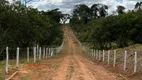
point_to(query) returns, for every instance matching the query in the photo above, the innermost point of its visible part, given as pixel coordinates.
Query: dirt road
(68, 65)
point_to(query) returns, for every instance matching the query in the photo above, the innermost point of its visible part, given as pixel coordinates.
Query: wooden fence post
(135, 62)
(44, 52)
(37, 50)
(114, 60)
(94, 53)
(49, 51)
(39, 53)
(28, 55)
(125, 60)
(34, 49)
(17, 58)
(7, 57)
(103, 55)
(99, 54)
(108, 57)
(52, 52)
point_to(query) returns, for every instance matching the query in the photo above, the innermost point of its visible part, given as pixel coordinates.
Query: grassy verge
(12, 65)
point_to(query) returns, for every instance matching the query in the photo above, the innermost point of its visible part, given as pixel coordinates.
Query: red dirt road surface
(67, 65)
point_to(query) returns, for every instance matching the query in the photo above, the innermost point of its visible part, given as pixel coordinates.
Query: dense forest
(94, 25)
(22, 26)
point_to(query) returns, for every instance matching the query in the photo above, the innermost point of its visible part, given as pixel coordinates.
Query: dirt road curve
(69, 65)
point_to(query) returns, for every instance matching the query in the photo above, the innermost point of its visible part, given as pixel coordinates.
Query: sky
(66, 6)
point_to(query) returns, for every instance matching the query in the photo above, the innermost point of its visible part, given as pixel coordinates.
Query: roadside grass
(12, 65)
(120, 57)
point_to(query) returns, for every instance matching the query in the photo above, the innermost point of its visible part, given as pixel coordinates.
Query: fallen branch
(123, 77)
(12, 75)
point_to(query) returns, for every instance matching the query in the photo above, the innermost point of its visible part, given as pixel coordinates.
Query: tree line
(22, 26)
(103, 31)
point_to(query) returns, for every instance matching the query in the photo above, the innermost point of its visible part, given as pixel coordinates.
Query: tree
(102, 10)
(65, 17)
(82, 12)
(94, 10)
(26, 1)
(3, 1)
(138, 5)
(54, 14)
(120, 9)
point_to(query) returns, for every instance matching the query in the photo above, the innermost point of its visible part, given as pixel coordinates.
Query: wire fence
(124, 60)
(11, 58)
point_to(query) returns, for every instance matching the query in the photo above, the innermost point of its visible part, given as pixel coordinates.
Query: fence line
(7, 57)
(38, 53)
(17, 58)
(108, 57)
(114, 60)
(111, 55)
(28, 55)
(135, 62)
(125, 60)
(103, 55)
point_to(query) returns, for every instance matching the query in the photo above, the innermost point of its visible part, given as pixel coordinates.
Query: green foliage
(112, 31)
(23, 27)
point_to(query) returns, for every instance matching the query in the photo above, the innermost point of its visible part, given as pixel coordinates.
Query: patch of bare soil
(70, 66)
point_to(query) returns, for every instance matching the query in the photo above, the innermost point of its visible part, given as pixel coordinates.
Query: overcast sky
(66, 6)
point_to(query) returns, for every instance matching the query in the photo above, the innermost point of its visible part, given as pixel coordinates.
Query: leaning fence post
(135, 62)
(7, 57)
(108, 57)
(125, 60)
(103, 55)
(28, 55)
(39, 53)
(34, 49)
(114, 60)
(17, 58)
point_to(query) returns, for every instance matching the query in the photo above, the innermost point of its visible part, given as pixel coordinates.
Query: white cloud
(66, 6)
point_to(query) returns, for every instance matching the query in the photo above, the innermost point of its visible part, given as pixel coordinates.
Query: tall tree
(120, 9)
(94, 10)
(102, 10)
(82, 12)
(54, 14)
(138, 5)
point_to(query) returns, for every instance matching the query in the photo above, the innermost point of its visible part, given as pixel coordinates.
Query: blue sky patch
(119, 1)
